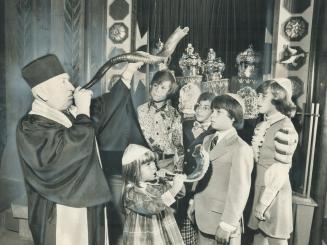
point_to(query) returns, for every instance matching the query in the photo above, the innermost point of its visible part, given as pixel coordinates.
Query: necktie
(213, 142)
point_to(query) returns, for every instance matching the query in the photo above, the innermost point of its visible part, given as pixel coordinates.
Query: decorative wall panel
(295, 28)
(119, 9)
(293, 34)
(296, 6)
(73, 38)
(119, 36)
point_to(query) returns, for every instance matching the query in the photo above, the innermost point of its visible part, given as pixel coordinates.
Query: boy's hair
(280, 100)
(132, 171)
(206, 96)
(232, 106)
(165, 75)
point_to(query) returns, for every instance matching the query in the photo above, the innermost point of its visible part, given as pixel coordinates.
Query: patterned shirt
(162, 129)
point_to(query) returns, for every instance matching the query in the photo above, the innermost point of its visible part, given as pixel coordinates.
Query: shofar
(162, 56)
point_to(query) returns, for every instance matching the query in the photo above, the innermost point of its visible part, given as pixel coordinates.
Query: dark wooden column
(319, 187)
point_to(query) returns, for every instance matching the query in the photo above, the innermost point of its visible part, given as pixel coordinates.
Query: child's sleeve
(178, 141)
(148, 202)
(275, 176)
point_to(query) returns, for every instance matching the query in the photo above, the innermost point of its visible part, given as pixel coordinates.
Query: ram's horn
(129, 57)
(202, 164)
(172, 41)
(162, 56)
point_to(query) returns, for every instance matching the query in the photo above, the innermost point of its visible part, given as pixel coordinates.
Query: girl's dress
(272, 185)
(149, 219)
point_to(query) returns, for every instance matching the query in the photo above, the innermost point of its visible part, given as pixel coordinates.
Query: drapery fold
(227, 26)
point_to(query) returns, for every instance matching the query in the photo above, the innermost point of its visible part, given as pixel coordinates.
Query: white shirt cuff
(227, 227)
(167, 198)
(126, 82)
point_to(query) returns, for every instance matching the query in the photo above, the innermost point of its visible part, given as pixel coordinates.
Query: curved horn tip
(186, 29)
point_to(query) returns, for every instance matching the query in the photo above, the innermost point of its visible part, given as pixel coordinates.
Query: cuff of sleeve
(227, 227)
(167, 198)
(267, 196)
(126, 81)
(83, 116)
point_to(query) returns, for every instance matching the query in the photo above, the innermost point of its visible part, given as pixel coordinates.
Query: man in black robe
(66, 187)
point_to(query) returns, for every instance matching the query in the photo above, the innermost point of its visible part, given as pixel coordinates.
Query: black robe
(61, 165)
(117, 126)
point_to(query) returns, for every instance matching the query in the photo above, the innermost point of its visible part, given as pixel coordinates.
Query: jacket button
(188, 150)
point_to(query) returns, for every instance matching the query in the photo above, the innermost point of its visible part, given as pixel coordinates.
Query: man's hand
(222, 236)
(130, 69)
(82, 98)
(259, 211)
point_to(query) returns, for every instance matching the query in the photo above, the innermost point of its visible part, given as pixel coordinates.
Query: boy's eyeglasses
(202, 107)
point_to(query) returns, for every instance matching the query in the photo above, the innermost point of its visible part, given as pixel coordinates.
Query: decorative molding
(297, 6)
(293, 57)
(297, 86)
(24, 31)
(72, 37)
(118, 32)
(118, 10)
(295, 28)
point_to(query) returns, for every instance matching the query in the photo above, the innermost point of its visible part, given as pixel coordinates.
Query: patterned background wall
(292, 44)
(118, 36)
(123, 36)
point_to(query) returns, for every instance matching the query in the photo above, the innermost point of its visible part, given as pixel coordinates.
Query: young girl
(273, 143)
(161, 123)
(146, 199)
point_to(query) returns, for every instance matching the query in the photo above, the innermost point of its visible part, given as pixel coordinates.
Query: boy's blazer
(223, 192)
(190, 142)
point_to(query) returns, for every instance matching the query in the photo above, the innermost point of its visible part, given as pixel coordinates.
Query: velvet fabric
(227, 26)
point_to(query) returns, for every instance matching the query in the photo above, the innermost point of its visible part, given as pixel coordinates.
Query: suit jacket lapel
(200, 138)
(222, 146)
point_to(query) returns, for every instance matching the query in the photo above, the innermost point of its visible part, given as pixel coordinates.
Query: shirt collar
(154, 105)
(204, 126)
(274, 117)
(222, 134)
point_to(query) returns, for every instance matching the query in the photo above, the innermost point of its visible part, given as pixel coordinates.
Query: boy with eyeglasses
(194, 132)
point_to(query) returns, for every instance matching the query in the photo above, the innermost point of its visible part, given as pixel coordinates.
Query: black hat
(42, 69)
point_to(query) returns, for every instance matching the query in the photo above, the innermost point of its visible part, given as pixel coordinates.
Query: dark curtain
(227, 26)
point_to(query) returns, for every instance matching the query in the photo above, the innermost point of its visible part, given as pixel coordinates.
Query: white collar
(274, 117)
(42, 109)
(204, 125)
(222, 134)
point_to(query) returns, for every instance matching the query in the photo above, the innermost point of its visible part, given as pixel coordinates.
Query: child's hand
(161, 173)
(222, 236)
(178, 183)
(259, 211)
